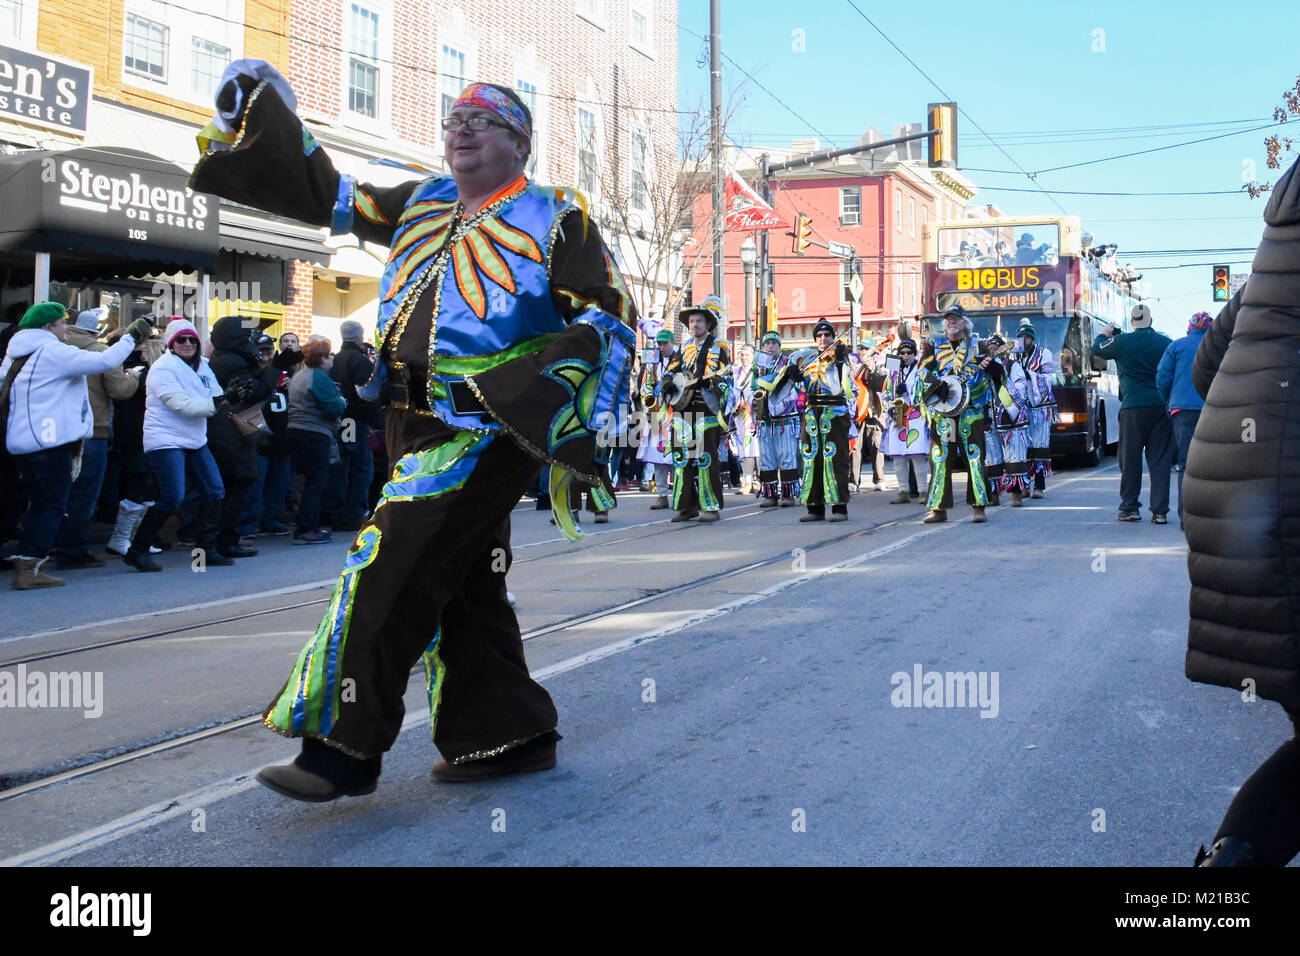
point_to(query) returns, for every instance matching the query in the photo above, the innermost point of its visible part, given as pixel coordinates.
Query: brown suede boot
(29, 574)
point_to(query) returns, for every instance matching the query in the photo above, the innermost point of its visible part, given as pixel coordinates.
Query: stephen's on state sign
(42, 90)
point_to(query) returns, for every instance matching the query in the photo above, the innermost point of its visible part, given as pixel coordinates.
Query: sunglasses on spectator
(185, 338)
(477, 123)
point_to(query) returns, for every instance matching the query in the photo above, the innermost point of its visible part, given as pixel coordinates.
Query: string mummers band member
(907, 424)
(869, 417)
(657, 425)
(776, 405)
(826, 381)
(740, 417)
(1037, 361)
(960, 376)
(1007, 439)
(694, 382)
(505, 339)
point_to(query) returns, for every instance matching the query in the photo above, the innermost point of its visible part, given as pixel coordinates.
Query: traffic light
(802, 233)
(941, 145)
(1222, 275)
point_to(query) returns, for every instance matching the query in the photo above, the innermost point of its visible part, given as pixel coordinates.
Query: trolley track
(97, 762)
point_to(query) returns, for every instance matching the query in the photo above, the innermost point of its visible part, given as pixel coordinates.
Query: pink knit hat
(1201, 320)
(178, 326)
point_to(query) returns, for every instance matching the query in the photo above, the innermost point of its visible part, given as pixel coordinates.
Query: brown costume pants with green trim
(426, 576)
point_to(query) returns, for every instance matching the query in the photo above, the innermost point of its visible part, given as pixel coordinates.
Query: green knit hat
(664, 335)
(43, 313)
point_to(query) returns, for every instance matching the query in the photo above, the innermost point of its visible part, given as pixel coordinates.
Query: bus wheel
(1098, 454)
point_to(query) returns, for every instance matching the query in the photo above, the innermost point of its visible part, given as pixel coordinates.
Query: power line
(1068, 192)
(1156, 149)
(950, 99)
(786, 106)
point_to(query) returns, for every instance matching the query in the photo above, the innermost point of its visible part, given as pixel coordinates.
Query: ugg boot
(29, 574)
(147, 528)
(129, 514)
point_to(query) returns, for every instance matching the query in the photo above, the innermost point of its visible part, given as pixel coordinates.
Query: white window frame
(536, 103)
(898, 210)
(645, 9)
(595, 15)
(194, 41)
(223, 26)
(647, 165)
(914, 307)
(857, 220)
(464, 45)
(911, 216)
(25, 35)
(381, 122)
(898, 288)
(598, 147)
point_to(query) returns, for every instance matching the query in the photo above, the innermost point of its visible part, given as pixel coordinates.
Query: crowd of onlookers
(177, 444)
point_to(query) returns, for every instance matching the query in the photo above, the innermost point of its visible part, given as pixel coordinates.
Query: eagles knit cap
(770, 336)
(1026, 326)
(823, 326)
(177, 327)
(352, 331)
(42, 314)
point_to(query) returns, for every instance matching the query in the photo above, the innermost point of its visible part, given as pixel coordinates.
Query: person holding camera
(1143, 422)
(47, 417)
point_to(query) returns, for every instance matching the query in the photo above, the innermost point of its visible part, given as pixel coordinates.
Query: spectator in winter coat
(129, 480)
(116, 384)
(1143, 421)
(1243, 526)
(49, 416)
(179, 399)
(315, 405)
(349, 498)
(1174, 380)
(238, 368)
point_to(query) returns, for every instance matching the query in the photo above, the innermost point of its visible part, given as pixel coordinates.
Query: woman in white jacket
(49, 416)
(179, 398)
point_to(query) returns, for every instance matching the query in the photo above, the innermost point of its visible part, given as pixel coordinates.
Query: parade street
(756, 691)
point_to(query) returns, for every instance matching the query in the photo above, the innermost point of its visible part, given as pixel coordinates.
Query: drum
(958, 399)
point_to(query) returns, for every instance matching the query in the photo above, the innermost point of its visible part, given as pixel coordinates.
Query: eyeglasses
(477, 123)
(185, 338)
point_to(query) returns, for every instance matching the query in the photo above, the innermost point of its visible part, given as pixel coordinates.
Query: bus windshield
(978, 247)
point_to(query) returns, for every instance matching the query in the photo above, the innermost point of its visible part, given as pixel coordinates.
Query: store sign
(41, 90)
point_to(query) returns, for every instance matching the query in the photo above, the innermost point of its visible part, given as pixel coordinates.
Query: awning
(260, 234)
(105, 212)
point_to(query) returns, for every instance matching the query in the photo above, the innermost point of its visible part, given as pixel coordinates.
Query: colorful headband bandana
(484, 96)
(1201, 320)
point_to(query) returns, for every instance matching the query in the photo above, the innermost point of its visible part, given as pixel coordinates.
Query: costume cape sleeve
(276, 165)
(562, 404)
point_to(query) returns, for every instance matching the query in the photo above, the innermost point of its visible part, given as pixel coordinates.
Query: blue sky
(1029, 75)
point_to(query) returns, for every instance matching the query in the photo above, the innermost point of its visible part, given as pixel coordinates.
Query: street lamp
(748, 256)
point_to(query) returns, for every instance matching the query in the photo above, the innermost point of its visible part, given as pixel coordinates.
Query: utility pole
(715, 98)
(764, 269)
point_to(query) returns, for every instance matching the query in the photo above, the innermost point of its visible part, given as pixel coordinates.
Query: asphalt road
(746, 708)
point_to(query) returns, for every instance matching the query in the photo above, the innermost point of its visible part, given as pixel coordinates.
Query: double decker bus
(1007, 269)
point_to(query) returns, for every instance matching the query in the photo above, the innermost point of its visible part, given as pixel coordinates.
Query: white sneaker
(878, 486)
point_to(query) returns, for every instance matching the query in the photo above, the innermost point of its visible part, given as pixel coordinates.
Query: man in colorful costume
(1007, 440)
(655, 448)
(1039, 368)
(907, 423)
(869, 417)
(959, 354)
(776, 407)
(826, 381)
(505, 338)
(697, 430)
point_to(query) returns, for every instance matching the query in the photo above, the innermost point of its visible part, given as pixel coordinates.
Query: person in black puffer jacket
(1242, 513)
(348, 499)
(235, 363)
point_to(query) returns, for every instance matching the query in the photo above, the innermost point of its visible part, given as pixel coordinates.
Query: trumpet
(900, 411)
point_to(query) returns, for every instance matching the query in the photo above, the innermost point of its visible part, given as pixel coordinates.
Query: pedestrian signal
(1222, 275)
(802, 233)
(942, 141)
